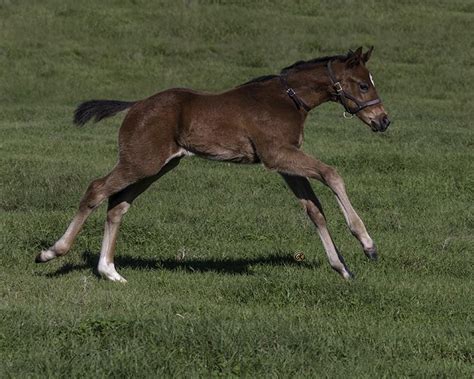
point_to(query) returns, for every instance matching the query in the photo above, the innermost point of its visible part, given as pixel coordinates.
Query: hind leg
(100, 189)
(118, 206)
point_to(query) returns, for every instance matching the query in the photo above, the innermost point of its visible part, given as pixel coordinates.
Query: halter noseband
(343, 96)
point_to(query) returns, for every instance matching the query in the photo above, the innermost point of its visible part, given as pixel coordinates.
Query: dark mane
(258, 79)
(297, 65)
(306, 64)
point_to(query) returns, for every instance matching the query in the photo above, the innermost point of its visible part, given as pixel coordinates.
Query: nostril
(385, 122)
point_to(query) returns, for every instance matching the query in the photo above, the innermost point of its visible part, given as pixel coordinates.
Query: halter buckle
(338, 87)
(291, 92)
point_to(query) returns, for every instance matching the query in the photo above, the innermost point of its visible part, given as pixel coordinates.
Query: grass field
(237, 304)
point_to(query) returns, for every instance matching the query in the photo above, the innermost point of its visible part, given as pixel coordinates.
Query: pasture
(213, 289)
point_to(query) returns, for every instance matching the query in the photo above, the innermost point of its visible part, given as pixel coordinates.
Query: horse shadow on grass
(190, 265)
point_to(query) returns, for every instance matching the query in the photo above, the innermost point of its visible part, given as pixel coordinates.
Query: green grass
(237, 304)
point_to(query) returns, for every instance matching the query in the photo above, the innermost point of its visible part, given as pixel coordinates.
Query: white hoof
(45, 256)
(347, 275)
(108, 272)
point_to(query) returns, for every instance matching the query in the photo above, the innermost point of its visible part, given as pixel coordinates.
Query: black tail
(99, 109)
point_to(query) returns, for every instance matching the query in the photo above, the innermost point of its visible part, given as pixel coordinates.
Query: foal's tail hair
(99, 109)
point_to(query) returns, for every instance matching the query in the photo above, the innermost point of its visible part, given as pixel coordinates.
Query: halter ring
(347, 116)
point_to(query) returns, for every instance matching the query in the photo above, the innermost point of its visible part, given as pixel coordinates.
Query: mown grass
(237, 304)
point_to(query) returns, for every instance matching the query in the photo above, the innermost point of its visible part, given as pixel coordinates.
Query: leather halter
(343, 96)
(292, 94)
(340, 94)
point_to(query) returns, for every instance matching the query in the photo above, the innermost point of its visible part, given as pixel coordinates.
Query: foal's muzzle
(381, 124)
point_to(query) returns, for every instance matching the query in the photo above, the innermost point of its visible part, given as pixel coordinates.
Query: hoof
(345, 273)
(348, 275)
(114, 277)
(111, 274)
(372, 253)
(45, 256)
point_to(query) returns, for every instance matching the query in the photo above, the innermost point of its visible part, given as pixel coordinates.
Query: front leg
(303, 191)
(290, 160)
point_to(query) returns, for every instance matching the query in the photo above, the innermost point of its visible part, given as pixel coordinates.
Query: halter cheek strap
(343, 96)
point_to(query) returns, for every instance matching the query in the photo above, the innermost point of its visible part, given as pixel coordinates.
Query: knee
(116, 213)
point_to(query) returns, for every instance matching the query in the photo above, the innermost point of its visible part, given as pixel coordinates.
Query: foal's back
(228, 126)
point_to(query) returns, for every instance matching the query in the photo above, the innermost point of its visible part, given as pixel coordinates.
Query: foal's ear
(367, 54)
(354, 58)
(358, 52)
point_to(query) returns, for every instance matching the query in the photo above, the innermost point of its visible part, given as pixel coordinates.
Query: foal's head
(353, 86)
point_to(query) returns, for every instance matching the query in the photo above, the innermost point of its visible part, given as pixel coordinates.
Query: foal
(260, 121)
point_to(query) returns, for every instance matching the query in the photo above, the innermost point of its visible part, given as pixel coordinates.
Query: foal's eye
(364, 87)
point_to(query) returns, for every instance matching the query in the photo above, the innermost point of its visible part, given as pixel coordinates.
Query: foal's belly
(221, 143)
(229, 156)
(230, 150)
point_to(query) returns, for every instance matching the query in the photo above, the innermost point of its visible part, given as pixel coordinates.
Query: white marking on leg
(355, 223)
(107, 271)
(106, 267)
(180, 153)
(65, 242)
(62, 246)
(331, 252)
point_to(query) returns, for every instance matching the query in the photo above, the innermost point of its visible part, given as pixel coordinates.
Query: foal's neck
(312, 86)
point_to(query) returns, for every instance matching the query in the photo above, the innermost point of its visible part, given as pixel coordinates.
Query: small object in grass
(181, 254)
(299, 257)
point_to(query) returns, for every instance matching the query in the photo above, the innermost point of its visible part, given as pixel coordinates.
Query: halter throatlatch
(343, 96)
(292, 94)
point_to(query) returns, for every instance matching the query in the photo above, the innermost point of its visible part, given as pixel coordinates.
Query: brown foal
(260, 121)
